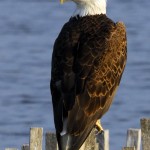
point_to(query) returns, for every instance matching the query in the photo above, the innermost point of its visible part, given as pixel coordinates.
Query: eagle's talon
(99, 128)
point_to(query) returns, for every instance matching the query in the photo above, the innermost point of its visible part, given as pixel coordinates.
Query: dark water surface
(27, 33)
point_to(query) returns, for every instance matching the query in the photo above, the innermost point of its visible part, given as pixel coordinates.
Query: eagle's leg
(98, 126)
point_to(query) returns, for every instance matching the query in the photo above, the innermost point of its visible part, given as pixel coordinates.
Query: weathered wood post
(51, 141)
(145, 128)
(99, 141)
(90, 143)
(134, 138)
(128, 148)
(103, 140)
(93, 142)
(36, 136)
(25, 147)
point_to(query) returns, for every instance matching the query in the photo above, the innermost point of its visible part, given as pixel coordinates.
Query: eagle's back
(88, 61)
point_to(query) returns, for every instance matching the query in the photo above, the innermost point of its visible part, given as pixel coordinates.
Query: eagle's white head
(89, 7)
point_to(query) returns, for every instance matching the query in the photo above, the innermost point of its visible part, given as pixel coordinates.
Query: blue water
(27, 33)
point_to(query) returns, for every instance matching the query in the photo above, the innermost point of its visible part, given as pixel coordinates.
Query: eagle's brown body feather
(88, 61)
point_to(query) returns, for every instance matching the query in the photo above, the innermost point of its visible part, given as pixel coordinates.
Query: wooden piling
(36, 135)
(145, 129)
(95, 141)
(103, 140)
(51, 141)
(90, 143)
(25, 147)
(134, 138)
(97, 146)
(106, 139)
(128, 148)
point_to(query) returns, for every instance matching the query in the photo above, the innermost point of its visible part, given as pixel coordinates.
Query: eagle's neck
(90, 7)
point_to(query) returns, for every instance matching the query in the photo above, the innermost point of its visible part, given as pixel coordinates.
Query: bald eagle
(88, 60)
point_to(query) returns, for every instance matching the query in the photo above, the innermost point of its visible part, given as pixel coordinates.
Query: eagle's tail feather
(71, 142)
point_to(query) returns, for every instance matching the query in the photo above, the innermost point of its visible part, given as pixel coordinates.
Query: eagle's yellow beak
(62, 1)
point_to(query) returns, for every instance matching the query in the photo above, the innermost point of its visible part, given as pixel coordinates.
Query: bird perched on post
(88, 60)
